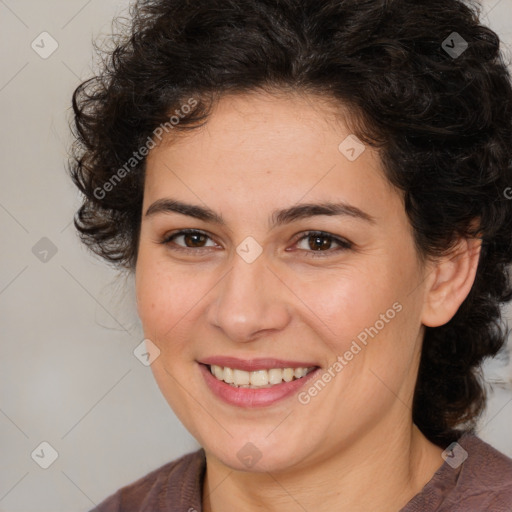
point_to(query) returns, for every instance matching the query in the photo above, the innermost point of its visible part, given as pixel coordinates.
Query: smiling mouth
(258, 379)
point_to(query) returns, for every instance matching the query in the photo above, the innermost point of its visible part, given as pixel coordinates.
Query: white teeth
(228, 375)
(288, 374)
(275, 376)
(240, 378)
(258, 378)
(218, 372)
(298, 372)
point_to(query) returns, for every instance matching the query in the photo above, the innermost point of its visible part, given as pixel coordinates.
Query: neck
(367, 475)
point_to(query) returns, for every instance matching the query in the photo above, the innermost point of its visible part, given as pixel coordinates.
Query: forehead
(263, 147)
(263, 122)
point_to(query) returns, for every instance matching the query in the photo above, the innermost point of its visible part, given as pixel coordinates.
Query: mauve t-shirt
(482, 483)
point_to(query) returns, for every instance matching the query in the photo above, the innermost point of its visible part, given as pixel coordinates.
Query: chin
(257, 456)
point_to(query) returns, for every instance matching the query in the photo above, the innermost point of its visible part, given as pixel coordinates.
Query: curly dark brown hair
(427, 86)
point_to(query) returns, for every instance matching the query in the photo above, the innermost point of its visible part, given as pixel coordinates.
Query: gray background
(68, 324)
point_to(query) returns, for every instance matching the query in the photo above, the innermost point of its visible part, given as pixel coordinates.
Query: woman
(312, 199)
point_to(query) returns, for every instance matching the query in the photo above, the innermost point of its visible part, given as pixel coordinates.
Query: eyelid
(167, 238)
(343, 243)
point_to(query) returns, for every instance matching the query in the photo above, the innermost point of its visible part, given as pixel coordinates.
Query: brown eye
(194, 239)
(188, 239)
(320, 242)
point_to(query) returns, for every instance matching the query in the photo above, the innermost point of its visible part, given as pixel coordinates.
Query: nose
(249, 301)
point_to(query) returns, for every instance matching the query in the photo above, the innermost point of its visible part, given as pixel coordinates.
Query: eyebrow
(279, 217)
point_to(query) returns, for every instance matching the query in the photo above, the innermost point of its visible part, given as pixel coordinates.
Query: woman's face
(253, 291)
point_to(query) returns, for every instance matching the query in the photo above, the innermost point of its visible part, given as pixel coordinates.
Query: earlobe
(451, 280)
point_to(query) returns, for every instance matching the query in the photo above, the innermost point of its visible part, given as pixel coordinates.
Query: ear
(450, 281)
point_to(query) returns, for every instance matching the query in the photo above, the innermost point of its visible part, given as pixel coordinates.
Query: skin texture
(259, 153)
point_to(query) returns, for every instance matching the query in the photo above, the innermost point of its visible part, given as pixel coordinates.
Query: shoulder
(486, 471)
(176, 484)
(475, 477)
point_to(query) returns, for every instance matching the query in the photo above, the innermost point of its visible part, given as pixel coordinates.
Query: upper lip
(249, 365)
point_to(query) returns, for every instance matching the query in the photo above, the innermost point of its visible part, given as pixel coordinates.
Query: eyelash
(344, 244)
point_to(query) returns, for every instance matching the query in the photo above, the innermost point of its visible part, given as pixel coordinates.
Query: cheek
(368, 311)
(166, 297)
(350, 300)
(157, 303)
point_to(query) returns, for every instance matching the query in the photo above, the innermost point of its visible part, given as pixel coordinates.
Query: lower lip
(248, 397)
